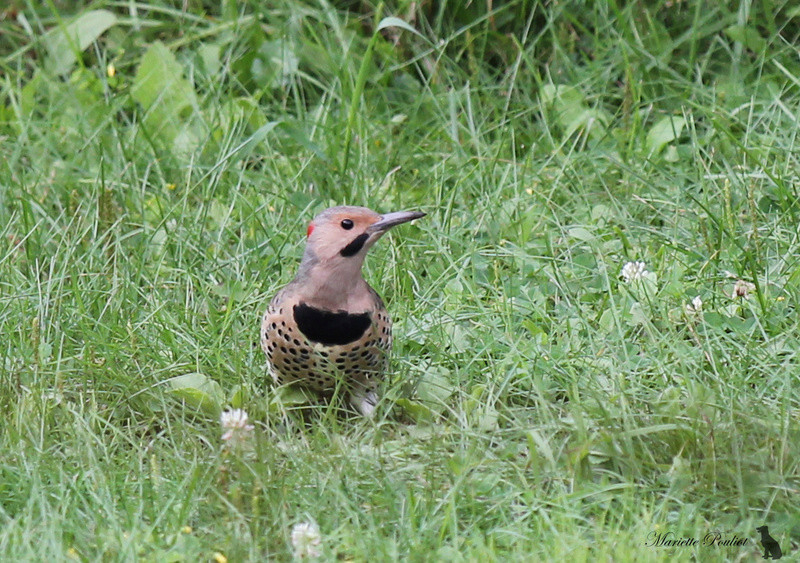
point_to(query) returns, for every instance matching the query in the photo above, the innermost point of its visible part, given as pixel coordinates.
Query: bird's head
(338, 241)
(345, 234)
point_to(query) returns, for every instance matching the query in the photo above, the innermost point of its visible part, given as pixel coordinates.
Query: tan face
(335, 232)
(344, 234)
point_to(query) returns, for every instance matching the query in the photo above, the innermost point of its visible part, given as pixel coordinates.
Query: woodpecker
(328, 326)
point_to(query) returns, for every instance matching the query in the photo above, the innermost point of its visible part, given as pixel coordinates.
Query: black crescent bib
(328, 327)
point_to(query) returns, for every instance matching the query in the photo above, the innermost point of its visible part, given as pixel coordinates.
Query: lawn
(597, 345)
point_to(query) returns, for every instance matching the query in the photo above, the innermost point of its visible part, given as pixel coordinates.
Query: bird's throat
(336, 286)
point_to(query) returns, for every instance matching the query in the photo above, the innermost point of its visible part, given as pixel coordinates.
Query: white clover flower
(695, 306)
(742, 288)
(632, 271)
(306, 540)
(236, 430)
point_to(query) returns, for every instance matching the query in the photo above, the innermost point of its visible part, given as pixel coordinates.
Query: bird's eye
(347, 224)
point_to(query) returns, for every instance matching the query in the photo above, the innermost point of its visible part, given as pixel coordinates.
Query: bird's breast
(330, 328)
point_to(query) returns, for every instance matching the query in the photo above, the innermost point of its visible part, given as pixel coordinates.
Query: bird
(328, 327)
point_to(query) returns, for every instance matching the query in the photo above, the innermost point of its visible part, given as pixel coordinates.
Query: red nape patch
(310, 229)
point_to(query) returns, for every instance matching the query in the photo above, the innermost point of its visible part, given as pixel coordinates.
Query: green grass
(159, 167)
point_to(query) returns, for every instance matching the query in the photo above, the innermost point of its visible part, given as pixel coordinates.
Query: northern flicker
(328, 326)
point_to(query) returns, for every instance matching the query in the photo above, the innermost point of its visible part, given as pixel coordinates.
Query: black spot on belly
(329, 328)
(356, 245)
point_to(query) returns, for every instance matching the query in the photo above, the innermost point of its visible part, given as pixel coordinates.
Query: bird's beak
(389, 220)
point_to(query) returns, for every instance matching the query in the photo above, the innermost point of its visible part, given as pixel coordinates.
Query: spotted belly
(293, 357)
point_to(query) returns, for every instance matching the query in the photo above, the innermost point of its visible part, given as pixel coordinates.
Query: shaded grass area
(158, 169)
